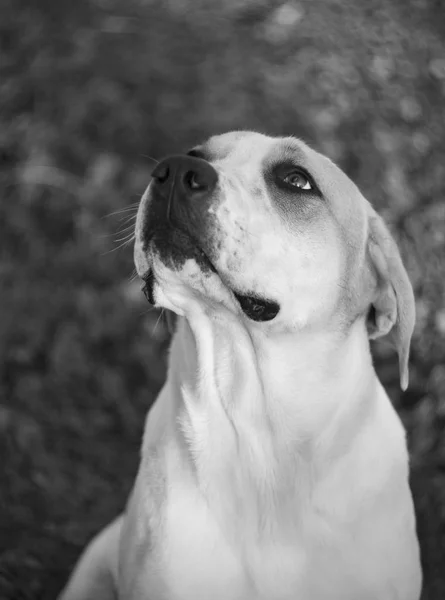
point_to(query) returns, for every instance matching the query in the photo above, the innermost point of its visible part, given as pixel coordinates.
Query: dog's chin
(173, 248)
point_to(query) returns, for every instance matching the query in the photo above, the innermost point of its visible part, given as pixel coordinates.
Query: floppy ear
(392, 302)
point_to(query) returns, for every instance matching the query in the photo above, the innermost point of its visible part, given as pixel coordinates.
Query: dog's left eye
(298, 180)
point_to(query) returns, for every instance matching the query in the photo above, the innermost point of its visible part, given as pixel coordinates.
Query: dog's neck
(257, 414)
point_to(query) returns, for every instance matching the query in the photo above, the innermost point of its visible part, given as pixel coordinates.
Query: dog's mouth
(257, 309)
(148, 287)
(181, 246)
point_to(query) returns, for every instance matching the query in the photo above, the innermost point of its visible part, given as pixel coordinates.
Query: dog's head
(273, 231)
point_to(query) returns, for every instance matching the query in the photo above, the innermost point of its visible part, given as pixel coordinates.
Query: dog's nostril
(191, 180)
(161, 173)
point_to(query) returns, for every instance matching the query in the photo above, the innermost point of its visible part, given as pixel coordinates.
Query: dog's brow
(285, 151)
(291, 151)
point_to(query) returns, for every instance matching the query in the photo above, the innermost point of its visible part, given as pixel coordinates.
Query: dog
(273, 465)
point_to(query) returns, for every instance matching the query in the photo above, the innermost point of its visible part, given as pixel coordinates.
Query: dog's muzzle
(180, 225)
(178, 222)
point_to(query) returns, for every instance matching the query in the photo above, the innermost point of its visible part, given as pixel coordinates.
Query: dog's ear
(392, 299)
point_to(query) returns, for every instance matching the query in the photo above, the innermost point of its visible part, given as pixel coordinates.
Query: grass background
(89, 91)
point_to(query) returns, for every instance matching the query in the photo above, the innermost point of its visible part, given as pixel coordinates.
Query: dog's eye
(298, 180)
(294, 178)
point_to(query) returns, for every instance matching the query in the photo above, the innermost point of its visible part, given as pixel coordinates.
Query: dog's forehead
(240, 147)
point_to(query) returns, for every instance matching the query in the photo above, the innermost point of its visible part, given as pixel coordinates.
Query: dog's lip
(148, 286)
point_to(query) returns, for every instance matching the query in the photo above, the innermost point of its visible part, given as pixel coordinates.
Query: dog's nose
(192, 177)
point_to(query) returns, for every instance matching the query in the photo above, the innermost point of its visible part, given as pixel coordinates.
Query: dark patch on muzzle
(174, 247)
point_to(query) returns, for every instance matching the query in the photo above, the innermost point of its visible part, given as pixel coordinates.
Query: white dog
(273, 466)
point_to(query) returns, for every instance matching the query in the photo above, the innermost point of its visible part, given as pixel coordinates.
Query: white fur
(273, 464)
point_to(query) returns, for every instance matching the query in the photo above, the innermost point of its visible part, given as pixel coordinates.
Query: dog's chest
(196, 557)
(201, 558)
(218, 542)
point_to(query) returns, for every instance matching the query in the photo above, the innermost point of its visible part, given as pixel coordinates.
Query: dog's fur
(273, 464)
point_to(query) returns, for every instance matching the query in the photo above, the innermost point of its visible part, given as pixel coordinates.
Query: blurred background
(90, 93)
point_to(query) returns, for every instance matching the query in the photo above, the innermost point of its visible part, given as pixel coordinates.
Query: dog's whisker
(147, 311)
(127, 241)
(134, 275)
(150, 158)
(128, 219)
(110, 235)
(125, 229)
(126, 238)
(131, 208)
(123, 245)
(158, 319)
(127, 225)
